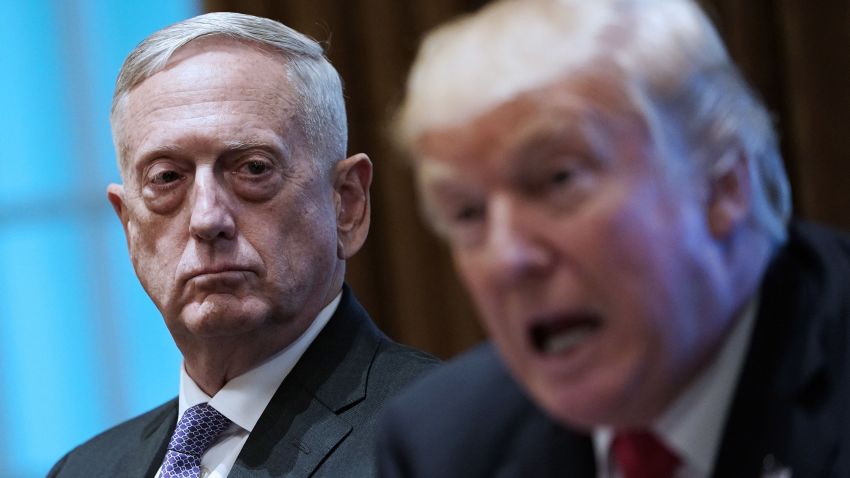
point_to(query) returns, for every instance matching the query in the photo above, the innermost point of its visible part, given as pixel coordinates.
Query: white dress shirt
(244, 398)
(691, 427)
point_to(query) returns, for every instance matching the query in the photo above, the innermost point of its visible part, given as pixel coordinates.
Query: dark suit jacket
(790, 408)
(320, 422)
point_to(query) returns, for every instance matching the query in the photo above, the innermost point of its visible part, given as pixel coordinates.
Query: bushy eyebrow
(239, 145)
(230, 146)
(245, 144)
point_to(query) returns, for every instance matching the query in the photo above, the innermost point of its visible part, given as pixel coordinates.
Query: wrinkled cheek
(149, 273)
(138, 253)
(144, 238)
(151, 260)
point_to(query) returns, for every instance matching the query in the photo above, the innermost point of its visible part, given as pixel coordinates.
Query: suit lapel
(543, 449)
(292, 437)
(145, 460)
(784, 411)
(301, 426)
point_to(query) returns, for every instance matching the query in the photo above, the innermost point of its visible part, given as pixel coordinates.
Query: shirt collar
(244, 398)
(692, 425)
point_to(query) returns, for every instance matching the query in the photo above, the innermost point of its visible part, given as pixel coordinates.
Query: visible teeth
(565, 341)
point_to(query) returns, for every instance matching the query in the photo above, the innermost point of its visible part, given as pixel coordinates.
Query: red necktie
(639, 454)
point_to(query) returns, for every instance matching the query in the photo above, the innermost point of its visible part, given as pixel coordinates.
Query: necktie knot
(640, 454)
(195, 432)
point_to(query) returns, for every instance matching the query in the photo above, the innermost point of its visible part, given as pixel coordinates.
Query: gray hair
(320, 107)
(667, 54)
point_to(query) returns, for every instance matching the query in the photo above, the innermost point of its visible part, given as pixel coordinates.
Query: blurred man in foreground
(240, 210)
(615, 202)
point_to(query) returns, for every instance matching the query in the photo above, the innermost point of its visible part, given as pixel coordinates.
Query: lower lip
(570, 360)
(221, 276)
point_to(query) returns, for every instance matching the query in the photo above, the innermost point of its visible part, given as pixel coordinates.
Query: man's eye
(468, 214)
(254, 168)
(165, 177)
(560, 177)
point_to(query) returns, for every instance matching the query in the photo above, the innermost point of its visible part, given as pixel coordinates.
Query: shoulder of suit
(813, 267)
(827, 246)
(395, 365)
(126, 434)
(473, 386)
(466, 418)
(137, 426)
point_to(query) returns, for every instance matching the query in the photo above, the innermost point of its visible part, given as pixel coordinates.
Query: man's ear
(352, 178)
(115, 194)
(730, 193)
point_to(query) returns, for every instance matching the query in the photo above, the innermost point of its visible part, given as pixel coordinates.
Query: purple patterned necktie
(195, 432)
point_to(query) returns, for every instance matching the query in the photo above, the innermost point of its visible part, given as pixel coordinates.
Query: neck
(213, 363)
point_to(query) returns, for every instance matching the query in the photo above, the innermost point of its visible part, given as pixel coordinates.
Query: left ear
(352, 178)
(730, 193)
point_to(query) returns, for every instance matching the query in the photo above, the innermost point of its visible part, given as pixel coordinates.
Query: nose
(517, 247)
(211, 217)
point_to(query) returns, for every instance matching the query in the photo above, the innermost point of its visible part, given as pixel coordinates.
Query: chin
(219, 316)
(585, 405)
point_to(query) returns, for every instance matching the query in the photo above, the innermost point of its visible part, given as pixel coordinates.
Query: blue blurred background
(81, 345)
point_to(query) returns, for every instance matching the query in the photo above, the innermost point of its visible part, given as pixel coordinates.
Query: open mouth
(560, 336)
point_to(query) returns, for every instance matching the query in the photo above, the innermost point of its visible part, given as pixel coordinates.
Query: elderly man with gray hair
(615, 202)
(240, 209)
